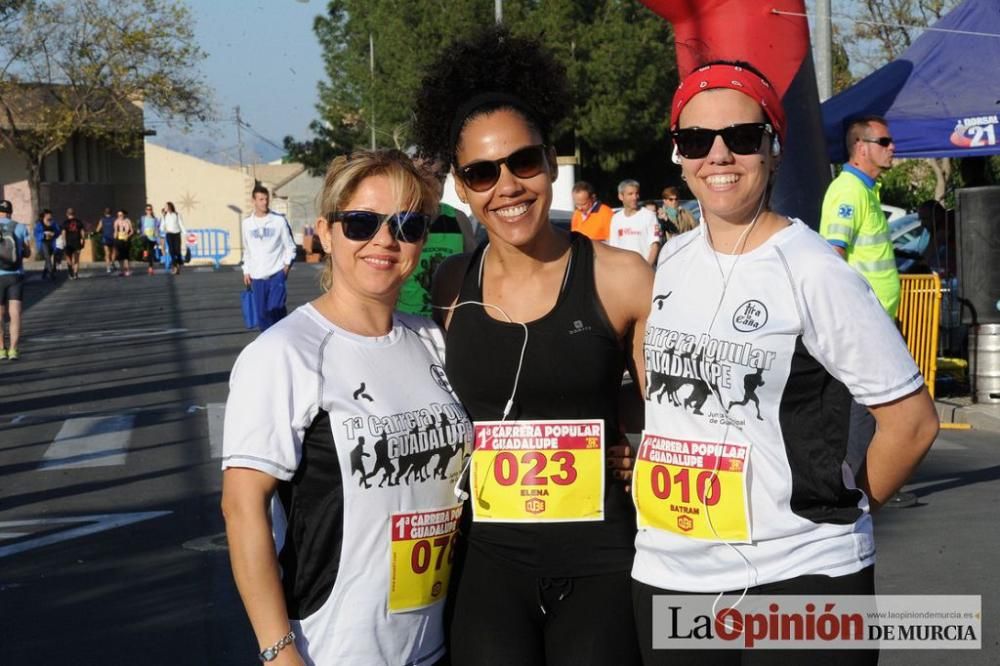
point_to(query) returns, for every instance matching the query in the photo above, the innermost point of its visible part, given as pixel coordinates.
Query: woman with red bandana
(540, 326)
(759, 338)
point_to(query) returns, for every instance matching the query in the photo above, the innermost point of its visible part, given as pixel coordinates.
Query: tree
(81, 66)
(886, 28)
(618, 54)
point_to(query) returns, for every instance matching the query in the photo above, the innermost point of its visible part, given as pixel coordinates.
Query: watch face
(269, 654)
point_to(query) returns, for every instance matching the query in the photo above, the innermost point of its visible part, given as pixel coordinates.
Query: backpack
(9, 259)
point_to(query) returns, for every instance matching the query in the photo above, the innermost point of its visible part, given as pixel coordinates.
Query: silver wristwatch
(271, 653)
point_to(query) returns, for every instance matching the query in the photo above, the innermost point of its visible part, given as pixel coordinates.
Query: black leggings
(499, 618)
(862, 582)
(174, 247)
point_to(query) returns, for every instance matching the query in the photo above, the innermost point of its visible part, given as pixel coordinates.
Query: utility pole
(239, 135)
(371, 67)
(498, 11)
(824, 48)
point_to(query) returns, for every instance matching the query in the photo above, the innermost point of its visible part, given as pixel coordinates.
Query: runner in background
(123, 237)
(46, 233)
(173, 227)
(149, 227)
(106, 227)
(14, 249)
(74, 237)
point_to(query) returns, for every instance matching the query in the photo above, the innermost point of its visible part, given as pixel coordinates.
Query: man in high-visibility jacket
(854, 224)
(852, 219)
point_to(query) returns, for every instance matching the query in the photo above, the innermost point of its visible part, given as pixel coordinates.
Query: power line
(851, 19)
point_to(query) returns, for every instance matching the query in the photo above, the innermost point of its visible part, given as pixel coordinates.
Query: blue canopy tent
(941, 97)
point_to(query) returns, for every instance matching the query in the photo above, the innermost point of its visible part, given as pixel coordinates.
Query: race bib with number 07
(422, 545)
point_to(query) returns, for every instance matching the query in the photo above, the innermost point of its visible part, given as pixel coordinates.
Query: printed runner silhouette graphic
(751, 383)
(414, 466)
(357, 461)
(660, 383)
(382, 462)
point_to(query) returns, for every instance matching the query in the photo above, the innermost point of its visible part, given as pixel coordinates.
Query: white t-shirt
(268, 245)
(634, 232)
(794, 331)
(356, 429)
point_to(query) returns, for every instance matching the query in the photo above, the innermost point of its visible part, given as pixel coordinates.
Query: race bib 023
(695, 489)
(422, 545)
(538, 471)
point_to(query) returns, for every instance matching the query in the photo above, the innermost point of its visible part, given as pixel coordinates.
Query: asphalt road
(110, 531)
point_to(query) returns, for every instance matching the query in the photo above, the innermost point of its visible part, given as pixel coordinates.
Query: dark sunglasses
(743, 139)
(524, 163)
(884, 141)
(362, 225)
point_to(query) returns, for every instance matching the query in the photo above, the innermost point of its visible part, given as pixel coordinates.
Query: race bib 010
(695, 489)
(538, 471)
(422, 545)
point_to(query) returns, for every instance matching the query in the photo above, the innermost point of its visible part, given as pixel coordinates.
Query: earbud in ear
(675, 157)
(775, 146)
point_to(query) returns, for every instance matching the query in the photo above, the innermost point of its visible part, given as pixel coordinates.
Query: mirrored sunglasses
(362, 225)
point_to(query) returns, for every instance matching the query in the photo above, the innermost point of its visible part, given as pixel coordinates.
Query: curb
(979, 416)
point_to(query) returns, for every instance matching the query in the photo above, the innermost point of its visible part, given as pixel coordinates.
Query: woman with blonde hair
(344, 440)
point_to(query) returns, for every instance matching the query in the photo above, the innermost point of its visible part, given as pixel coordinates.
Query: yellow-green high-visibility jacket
(853, 220)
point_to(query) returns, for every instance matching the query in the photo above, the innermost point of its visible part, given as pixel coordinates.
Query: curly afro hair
(519, 71)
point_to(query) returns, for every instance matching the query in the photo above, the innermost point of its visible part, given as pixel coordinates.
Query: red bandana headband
(736, 78)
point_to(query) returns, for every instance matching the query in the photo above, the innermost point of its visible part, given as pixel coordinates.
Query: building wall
(207, 195)
(296, 200)
(84, 175)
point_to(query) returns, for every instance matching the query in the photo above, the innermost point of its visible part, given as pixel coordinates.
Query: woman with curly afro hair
(541, 324)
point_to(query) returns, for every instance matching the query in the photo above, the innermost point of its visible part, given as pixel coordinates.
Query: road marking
(91, 441)
(216, 419)
(87, 525)
(120, 334)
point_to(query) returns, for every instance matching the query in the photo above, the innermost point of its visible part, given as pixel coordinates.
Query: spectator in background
(450, 233)
(685, 221)
(106, 227)
(667, 213)
(46, 232)
(149, 227)
(74, 237)
(268, 253)
(173, 227)
(634, 228)
(940, 253)
(14, 249)
(590, 217)
(855, 226)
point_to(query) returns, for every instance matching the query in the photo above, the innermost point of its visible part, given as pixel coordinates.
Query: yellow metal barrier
(919, 317)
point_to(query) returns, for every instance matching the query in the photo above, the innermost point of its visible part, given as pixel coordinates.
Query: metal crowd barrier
(210, 244)
(919, 319)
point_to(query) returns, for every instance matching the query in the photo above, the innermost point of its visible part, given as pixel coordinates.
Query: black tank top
(572, 369)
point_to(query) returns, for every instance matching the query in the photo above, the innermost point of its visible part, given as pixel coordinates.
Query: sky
(263, 56)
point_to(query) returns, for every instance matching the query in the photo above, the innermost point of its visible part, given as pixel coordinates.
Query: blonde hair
(685, 220)
(410, 187)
